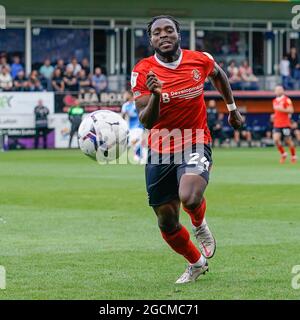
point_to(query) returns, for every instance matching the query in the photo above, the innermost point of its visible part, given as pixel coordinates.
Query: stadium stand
(91, 56)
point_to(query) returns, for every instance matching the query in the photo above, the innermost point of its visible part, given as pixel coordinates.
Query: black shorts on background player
(285, 132)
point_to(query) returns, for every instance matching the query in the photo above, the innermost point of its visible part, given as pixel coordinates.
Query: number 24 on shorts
(194, 159)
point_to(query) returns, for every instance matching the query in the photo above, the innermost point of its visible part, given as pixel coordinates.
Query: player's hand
(153, 84)
(235, 119)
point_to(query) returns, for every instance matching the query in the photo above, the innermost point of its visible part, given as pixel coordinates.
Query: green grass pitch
(71, 229)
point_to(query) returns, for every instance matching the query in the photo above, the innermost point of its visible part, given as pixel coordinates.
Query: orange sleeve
(210, 63)
(288, 102)
(138, 81)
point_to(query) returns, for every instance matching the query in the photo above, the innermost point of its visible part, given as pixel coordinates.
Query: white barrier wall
(14, 121)
(17, 112)
(24, 102)
(62, 127)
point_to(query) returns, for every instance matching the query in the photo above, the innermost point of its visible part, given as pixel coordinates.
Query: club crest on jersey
(196, 75)
(133, 81)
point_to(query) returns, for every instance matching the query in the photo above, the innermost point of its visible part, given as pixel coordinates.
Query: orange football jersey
(182, 103)
(282, 119)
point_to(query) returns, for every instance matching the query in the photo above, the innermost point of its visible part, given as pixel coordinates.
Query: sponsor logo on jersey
(188, 93)
(196, 75)
(134, 76)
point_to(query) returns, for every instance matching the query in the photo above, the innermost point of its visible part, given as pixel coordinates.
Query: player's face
(279, 91)
(165, 39)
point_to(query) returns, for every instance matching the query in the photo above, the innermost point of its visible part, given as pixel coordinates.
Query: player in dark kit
(168, 89)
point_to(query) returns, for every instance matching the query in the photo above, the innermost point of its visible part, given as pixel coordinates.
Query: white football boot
(205, 239)
(192, 272)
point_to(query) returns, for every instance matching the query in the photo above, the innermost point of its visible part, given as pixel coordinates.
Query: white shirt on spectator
(284, 68)
(75, 69)
(5, 81)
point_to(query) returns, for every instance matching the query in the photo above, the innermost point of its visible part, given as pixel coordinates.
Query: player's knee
(277, 142)
(191, 200)
(167, 218)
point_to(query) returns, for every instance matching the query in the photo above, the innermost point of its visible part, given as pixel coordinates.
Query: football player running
(283, 109)
(168, 90)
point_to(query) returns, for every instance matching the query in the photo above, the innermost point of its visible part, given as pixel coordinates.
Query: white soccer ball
(103, 135)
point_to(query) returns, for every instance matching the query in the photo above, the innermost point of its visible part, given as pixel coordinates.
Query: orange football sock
(280, 149)
(197, 215)
(293, 151)
(180, 242)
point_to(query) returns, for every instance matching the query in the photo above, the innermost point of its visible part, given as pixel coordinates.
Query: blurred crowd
(290, 70)
(60, 77)
(252, 133)
(73, 76)
(241, 77)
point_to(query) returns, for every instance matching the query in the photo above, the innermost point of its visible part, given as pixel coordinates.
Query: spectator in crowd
(3, 62)
(21, 82)
(57, 82)
(41, 124)
(234, 76)
(74, 66)
(269, 128)
(248, 77)
(243, 133)
(284, 68)
(294, 64)
(70, 80)
(218, 130)
(34, 81)
(257, 131)
(46, 70)
(6, 81)
(215, 123)
(84, 82)
(212, 117)
(296, 130)
(16, 66)
(99, 81)
(267, 139)
(61, 65)
(86, 66)
(75, 116)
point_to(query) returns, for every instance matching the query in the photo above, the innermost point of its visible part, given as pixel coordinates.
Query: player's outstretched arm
(149, 106)
(221, 83)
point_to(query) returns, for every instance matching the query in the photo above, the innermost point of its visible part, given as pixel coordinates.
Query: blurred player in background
(283, 109)
(75, 116)
(168, 90)
(41, 124)
(136, 130)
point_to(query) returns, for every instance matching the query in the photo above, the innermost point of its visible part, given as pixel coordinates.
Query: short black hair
(162, 17)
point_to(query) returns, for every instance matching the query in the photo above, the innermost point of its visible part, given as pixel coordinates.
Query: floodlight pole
(192, 35)
(28, 45)
(269, 51)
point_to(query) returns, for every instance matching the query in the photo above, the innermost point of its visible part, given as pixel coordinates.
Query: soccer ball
(103, 135)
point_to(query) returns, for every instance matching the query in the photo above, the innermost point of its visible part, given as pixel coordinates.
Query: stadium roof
(195, 9)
